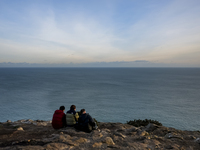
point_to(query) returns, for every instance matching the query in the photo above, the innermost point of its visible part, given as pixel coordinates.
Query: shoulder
(67, 114)
(88, 115)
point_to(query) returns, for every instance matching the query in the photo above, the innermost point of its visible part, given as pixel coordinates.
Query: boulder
(97, 145)
(56, 146)
(109, 141)
(20, 129)
(143, 133)
(151, 127)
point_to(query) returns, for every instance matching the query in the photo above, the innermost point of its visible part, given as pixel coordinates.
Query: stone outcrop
(31, 135)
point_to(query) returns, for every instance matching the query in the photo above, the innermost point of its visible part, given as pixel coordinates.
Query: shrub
(138, 123)
(15, 127)
(97, 123)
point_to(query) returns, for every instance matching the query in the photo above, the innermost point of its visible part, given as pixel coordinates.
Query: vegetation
(97, 123)
(138, 123)
(15, 127)
(8, 124)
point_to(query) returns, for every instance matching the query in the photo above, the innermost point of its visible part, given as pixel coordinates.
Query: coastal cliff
(31, 135)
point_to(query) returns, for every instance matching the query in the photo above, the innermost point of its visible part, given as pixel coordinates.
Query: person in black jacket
(85, 122)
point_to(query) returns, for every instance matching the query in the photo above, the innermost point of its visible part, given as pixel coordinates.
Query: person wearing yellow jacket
(72, 116)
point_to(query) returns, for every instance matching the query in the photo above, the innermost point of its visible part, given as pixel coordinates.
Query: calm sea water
(169, 95)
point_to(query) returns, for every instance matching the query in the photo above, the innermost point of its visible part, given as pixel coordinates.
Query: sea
(168, 95)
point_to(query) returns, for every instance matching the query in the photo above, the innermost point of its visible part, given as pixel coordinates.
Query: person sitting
(85, 122)
(58, 120)
(72, 116)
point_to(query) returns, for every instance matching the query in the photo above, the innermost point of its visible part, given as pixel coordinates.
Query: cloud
(100, 32)
(162, 35)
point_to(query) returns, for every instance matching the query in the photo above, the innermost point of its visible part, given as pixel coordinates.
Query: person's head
(73, 107)
(83, 111)
(62, 108)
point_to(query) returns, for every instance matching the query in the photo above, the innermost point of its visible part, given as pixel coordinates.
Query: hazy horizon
(113, 33)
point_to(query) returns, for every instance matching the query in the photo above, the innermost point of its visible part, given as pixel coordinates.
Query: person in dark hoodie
(85, 122)
(59, 118)
(72, 116)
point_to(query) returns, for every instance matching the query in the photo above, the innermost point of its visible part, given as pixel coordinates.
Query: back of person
(85, 122)
(72, 116)
(58, 120)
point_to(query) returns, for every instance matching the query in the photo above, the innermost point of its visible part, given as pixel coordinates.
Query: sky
(103, 33)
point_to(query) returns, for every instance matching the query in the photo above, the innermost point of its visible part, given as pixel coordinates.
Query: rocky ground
(39, 135)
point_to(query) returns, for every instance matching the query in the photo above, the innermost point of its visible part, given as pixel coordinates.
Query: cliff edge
(31, 135)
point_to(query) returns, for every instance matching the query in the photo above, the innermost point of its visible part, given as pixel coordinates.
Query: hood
(83, 116)
(58, 112)
(71, 112)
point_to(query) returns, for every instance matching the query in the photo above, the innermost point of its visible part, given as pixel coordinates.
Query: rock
(170, 135)
(81, 140)
(20, 129)
(154, 136)
(104, 133)
(134, 129)
(155, 142)
(13, 143)
(97, 145)
(39, 121)
(137, 146)
(8, 121)
(21, 121)
(40, 135)
(28, 121)
(197, 140)
(64, 139)
(107, 130)
(58, 146)
(189, 137)
(36, 147)
(96, 135)
(148, 137)
(143, 133)
(109, 141)
(114, 146)
(119, 134)
(168, 147)
(151, 127)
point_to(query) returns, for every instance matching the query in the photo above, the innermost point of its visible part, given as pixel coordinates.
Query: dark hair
(62, 107)
(72, 107)
(82, 110)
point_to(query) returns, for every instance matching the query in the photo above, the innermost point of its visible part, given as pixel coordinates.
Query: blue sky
(133, 32)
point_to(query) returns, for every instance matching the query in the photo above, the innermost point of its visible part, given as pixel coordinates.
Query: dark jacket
(71, 112)
(85, 123)
(58, 120)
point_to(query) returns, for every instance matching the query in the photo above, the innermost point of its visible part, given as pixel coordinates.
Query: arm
(76, 116)
(91, 121)
(64, 121)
